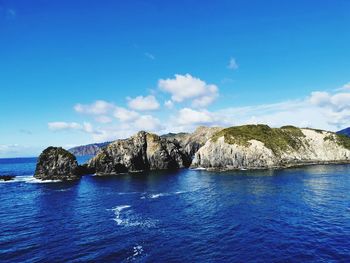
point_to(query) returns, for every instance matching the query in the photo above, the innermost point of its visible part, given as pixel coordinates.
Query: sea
(292, 215)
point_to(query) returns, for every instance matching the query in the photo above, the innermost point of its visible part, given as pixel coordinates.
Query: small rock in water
(55, 163)
(7, 177)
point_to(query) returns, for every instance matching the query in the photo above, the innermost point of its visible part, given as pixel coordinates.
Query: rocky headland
(141, 152)
(262, 147)
(240, 147)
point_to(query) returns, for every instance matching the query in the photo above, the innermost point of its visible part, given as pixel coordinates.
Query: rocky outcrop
(55, 163)
(141, 152)
(259, 147)
(6, 178)
(191, 142)
(89, 149)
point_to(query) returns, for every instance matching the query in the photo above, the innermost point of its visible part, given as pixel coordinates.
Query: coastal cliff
(261, 147)
(191, 142)
(141, 152)
(240, 147)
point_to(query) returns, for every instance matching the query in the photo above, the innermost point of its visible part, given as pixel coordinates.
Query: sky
(78, 72)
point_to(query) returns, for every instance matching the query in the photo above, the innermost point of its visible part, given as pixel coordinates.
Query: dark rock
(55, 163)
(7, 177)
(83, 170)
(141, 152)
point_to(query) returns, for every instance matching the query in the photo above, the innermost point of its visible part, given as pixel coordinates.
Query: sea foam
(30, 179)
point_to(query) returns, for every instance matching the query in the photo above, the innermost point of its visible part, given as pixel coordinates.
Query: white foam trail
(29, 179)
(199, 169)
(117, 211)
(128, 193)
(155, 196)
(128, 218)
(137, 251)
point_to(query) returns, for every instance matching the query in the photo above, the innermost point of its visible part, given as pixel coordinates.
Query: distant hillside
(345, 131)
(90, 149)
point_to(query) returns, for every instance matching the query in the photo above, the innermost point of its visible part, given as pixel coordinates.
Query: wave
(117, 212)
(155, 196)
(29, 179)
(198, 169)
(125, 216)
(136, 253)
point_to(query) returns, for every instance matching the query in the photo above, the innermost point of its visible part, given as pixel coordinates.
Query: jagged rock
(191, 142)
(259, 147)
(55, 163)
(83, 170)
(141, 152)
(7, 177)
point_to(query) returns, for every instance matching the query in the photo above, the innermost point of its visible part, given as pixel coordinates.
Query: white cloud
(297, 112)
(16, 150)
(232, 64)
(187, 116)
(184, 87)
(345, 87)
(320, 98)
(103, 119)
(99, 107)
(150, 56)
(125, 115)
(87, 127)
(148, 123)
(169, 104)
(204, 101)
(60, 125)
(142, 103)
(336, 106)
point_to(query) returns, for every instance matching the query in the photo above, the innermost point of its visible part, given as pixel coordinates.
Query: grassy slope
(276, 139)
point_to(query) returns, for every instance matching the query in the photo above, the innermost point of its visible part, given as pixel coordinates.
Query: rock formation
(6, 178)
(191, 142)
(141, 152)
(55, 163)
(259, 147)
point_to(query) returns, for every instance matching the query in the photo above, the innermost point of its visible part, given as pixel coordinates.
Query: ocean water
(293, 215)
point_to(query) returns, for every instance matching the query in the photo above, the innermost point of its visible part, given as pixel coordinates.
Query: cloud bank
(186, 106)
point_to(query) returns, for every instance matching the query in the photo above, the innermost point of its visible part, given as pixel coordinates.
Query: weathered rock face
(141, 152)
(259, 147)
(55, 163)
(191, 142)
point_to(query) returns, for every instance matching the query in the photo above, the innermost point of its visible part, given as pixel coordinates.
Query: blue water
(294, 215)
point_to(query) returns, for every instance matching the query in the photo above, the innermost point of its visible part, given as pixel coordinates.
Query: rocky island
(55, 163)
(240, 147)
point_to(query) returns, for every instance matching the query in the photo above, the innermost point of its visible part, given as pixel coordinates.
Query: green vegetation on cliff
(276, 139)
(58, 151)
(340, 139)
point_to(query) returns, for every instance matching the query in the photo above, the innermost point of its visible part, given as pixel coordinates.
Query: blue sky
(75, 72)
